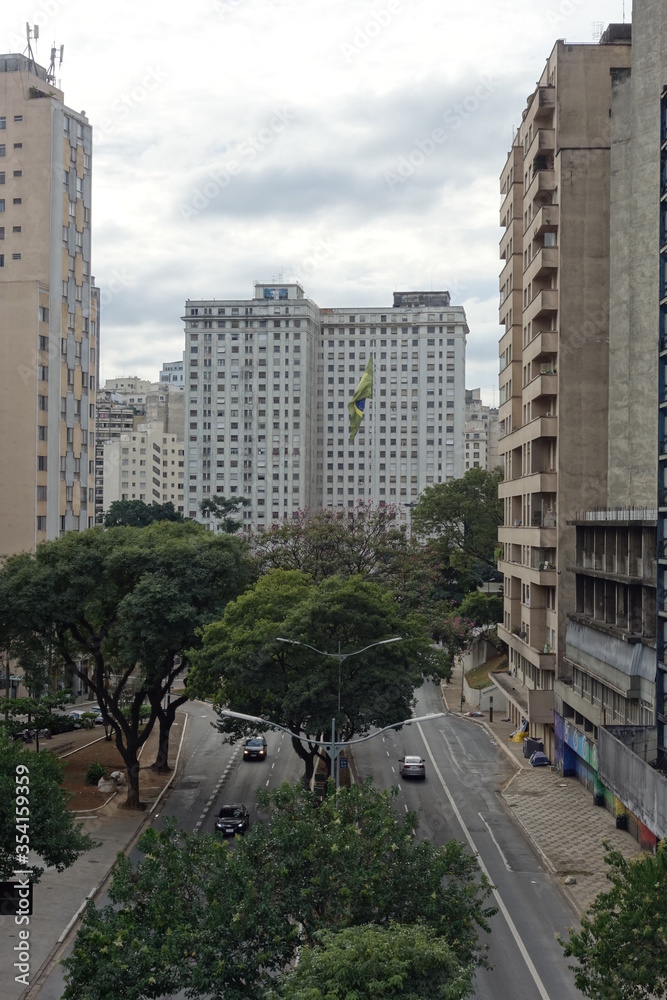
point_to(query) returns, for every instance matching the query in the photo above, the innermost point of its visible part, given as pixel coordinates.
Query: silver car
(412, 767)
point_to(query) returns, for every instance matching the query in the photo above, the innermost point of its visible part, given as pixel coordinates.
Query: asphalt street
(460, 799)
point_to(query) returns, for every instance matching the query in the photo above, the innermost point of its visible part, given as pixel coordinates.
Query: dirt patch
(90, 746)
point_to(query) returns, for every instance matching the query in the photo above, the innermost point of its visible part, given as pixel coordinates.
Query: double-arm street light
(337, 747)
(333, 748)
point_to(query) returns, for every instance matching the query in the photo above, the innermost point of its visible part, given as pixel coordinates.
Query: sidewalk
(58, 899)
(556, 813)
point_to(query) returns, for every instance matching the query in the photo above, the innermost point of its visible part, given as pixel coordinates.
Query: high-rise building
(480, 433)
(48, 311)
(268, 381)
(554, 355)
(144, 464)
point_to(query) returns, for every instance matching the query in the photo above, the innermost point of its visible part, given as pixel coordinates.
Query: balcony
(542, 344)
(512, 234)
(535, 482)
(543, 263)
(544, 141)
(543, 385)
(544, 103)
(512, 199)
(546, 220)
(545, 303)
(541, 187)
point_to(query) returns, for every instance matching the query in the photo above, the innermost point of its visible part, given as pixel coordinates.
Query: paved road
(459, 798)
(210, 773)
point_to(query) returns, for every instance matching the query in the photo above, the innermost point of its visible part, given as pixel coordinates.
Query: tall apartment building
(145, 464)
(159, 405)
(48, 311)
(481, 434)
(268, 382)
(554, 355)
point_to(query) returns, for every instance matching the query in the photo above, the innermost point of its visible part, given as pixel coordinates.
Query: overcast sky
(352, 145)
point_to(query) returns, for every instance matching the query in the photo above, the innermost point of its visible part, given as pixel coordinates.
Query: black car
(232, 819)
(255, 748)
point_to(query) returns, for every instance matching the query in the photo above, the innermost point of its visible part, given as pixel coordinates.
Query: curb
(146, 817)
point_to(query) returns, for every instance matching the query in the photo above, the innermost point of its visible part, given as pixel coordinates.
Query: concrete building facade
(146, 464)
(49, 311)
(554, 381)
(173, 372)
(268, 383)
(481, 433)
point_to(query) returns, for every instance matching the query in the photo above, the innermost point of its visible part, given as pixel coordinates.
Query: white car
(412, 767)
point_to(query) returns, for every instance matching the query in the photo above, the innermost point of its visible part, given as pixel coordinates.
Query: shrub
(95, 772)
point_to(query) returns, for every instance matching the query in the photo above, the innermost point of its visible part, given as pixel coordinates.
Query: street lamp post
(333, 748)
(337, 747)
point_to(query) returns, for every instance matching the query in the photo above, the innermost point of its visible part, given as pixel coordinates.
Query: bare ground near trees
(92, 747)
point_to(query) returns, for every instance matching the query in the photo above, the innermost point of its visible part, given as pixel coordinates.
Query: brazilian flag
(363, 392)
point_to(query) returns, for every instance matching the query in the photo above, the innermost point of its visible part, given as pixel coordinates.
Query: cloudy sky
(353, 145)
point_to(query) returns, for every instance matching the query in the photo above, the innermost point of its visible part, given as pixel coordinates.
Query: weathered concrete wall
(641, 789)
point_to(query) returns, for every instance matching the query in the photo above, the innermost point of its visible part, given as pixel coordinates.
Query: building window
(18, 118)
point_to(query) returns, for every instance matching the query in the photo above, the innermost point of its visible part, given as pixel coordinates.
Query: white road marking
(501, 905)
(499, 848)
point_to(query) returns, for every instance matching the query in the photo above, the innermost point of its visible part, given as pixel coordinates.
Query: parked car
(232, 819)
(539, 759)
(255, 748)
(411, 767)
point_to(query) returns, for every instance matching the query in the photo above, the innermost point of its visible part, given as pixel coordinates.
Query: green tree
(39, 712)
(197, 916)
(43, 822)
(464, 515)
(223, 511)
(244, 667)
(483, 609)
(130, 601)
(368, 540)
(366, 962)
(137, 514)
(621, 949)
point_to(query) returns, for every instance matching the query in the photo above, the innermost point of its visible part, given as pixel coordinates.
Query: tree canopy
(121, 607)
(197, 916)
(621, 948)
(367, 540)
(223, 511)
(48, 827)
(464, 515)
(408, 962)
(137, 514)
(246, 669)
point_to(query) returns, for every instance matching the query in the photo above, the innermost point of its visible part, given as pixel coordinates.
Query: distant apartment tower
(157, 405)
(268, 381)
(480, 433)
(173, 372)
(48, 311)
(146, 464)
(554, 355)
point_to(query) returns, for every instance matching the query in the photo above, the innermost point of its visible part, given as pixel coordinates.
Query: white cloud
(367, 138)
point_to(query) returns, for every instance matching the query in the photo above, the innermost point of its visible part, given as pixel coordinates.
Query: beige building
(49, 311)
(124, 406)
(146, 464)
(554, 354)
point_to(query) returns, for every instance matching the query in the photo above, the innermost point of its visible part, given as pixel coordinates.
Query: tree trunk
(166, 718)
(132, 800)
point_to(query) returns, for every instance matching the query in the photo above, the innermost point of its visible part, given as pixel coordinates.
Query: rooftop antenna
(31, 33)
(597, 28)
(51, 74)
